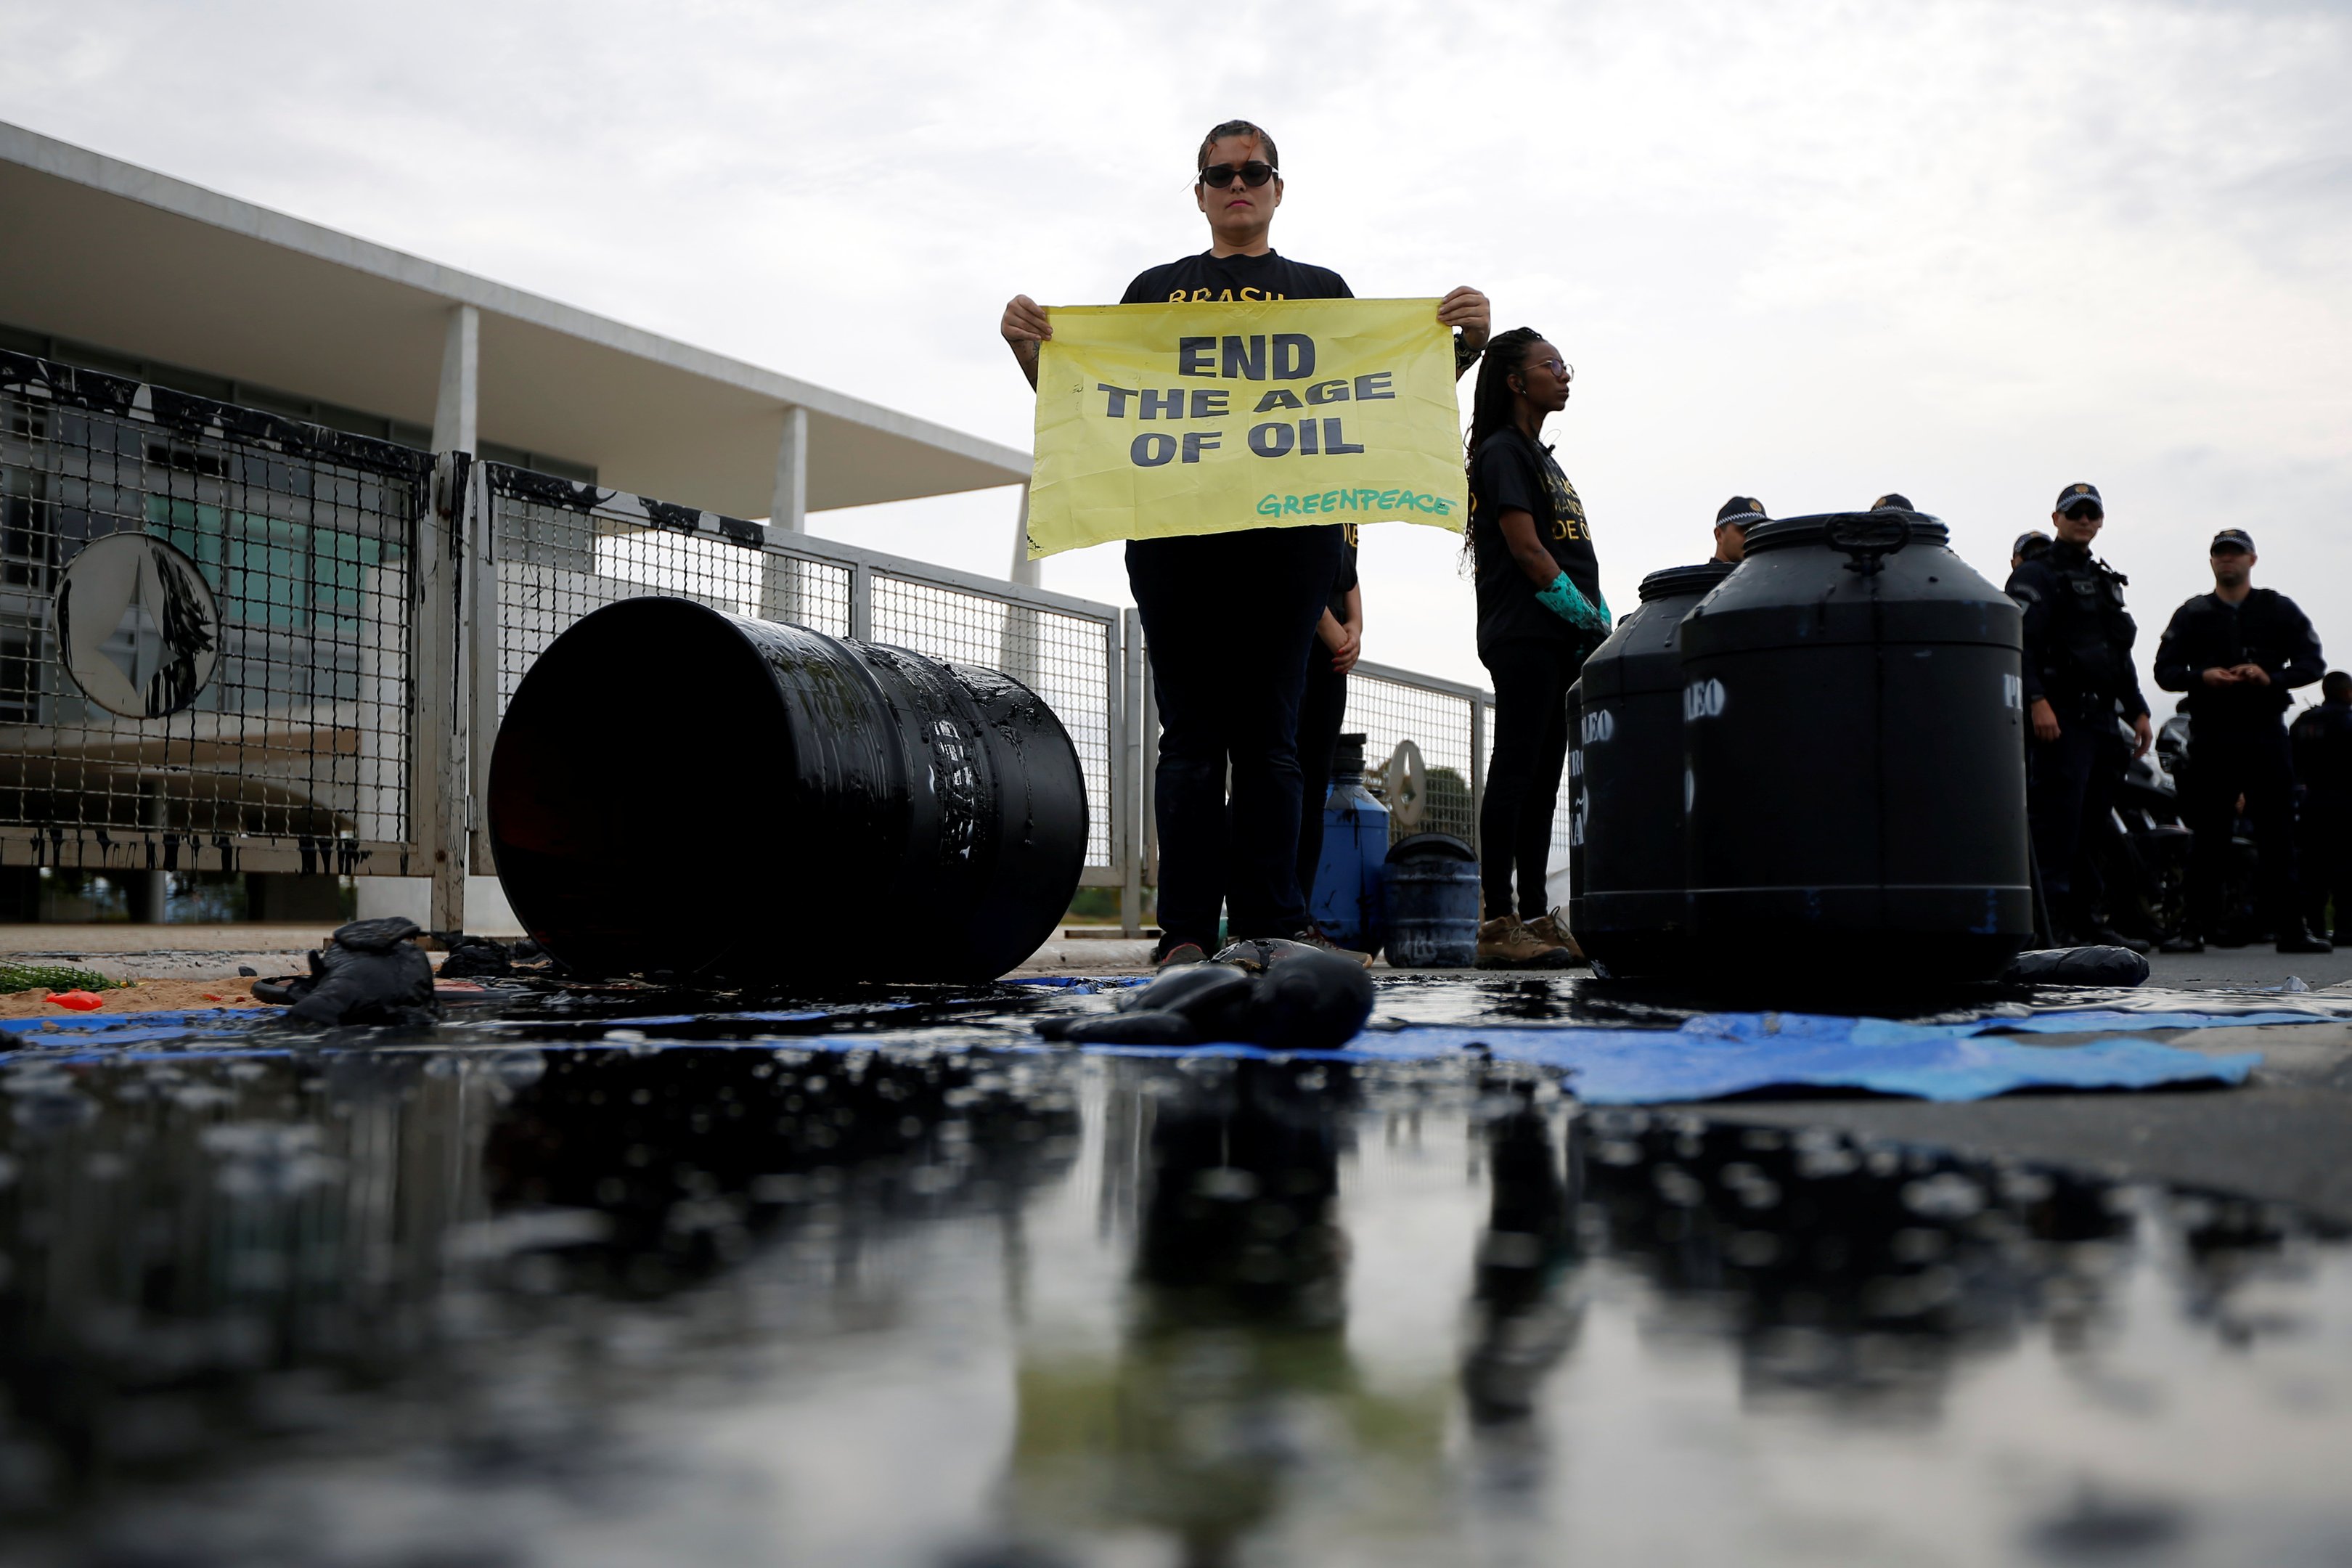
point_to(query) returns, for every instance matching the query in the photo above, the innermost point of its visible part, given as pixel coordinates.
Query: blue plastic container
(1432, 902)
(1346, 899)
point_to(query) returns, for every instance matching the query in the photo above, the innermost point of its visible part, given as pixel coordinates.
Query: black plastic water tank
(676, 788)
(1856, 781)
(1625, 901)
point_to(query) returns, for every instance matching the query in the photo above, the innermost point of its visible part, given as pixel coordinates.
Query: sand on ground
(139, 996)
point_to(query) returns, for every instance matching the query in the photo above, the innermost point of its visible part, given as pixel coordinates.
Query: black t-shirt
(1344, 581)
(1206, 279)
(1511, 473)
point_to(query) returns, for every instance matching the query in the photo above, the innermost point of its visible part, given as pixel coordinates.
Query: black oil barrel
(1855, 781)
(1625, 838)
(676, 788)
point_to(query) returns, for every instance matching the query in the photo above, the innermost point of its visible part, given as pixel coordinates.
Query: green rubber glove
(1566, 601)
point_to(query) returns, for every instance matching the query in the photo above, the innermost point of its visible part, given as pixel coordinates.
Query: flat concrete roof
(125, 259)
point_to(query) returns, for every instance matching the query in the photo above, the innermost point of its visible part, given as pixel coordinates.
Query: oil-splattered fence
(231, 641)
(205, 617)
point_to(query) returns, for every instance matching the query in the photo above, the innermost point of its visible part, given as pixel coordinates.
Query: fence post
(1131, 791)
(436, 789)
(861, 602)
(1477, 764)
(482, 649)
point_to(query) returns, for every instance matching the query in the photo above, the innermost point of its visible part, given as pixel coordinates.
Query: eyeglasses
(1566, 372)
(1254, 174)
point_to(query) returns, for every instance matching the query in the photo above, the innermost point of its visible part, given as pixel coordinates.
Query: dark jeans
(1531, 680)
(2069, 784)
(1228, 617)
(1322, 710)
(2224, 762)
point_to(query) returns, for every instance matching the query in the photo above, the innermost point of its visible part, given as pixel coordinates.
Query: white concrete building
(117, 268)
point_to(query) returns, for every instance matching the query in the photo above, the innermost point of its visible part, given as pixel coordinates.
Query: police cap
(2030, 543)
(2233, 539)
(2074, 496)
(1893, 500)
(1741, 510)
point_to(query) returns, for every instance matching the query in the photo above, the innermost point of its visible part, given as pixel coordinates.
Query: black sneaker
(2300, 938)
(2187, 942)
(1176, 954)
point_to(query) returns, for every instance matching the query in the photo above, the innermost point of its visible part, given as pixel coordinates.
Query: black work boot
(2108, 936)
(2297, 937)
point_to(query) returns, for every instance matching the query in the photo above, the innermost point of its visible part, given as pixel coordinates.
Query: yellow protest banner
(1163, 419)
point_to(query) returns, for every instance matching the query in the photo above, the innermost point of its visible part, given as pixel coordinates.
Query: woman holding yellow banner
(1540, 613)
(1230, 609)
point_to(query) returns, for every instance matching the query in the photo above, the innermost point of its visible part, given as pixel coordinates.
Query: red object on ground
(80, 1001)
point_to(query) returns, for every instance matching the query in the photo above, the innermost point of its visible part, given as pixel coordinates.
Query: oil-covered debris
(2104, 966)
(1300, 1000)
(487, 958)
(370, 972)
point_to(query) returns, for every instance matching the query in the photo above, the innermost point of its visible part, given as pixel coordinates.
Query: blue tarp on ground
(1717, 1056)
(1710, 1056)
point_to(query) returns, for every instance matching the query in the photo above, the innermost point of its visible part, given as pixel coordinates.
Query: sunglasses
(1254, 174)
(2082, 512)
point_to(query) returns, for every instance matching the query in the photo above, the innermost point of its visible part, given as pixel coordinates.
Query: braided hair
(1493, 404)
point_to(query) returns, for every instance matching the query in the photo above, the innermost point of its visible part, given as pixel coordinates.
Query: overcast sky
(1811, 252)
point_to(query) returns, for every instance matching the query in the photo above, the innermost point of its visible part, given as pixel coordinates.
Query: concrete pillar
(789, 511)
(780, 576)
(456, 412)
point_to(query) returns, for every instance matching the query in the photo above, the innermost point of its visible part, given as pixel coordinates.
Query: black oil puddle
(744, 1301)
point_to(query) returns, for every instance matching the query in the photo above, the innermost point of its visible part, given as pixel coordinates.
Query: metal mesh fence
(1388, 712)
(1559, 818)
(203, 630)
(562, 549)
(1065, 659)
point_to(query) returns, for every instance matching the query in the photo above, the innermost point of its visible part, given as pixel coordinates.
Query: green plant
(52, 977)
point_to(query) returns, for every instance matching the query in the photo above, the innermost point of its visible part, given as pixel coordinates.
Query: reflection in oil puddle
(727, 1303)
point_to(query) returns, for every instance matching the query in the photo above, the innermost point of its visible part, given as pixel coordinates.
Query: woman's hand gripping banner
(1164, 419)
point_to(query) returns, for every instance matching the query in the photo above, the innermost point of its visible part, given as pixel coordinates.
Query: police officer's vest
(2091, 633)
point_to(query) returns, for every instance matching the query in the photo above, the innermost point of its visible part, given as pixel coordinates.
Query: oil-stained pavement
(593, 1281)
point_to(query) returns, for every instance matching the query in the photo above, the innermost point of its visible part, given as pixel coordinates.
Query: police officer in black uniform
(1733, 519)
(2237, 651)
(2322, 738)
(2078, 680)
